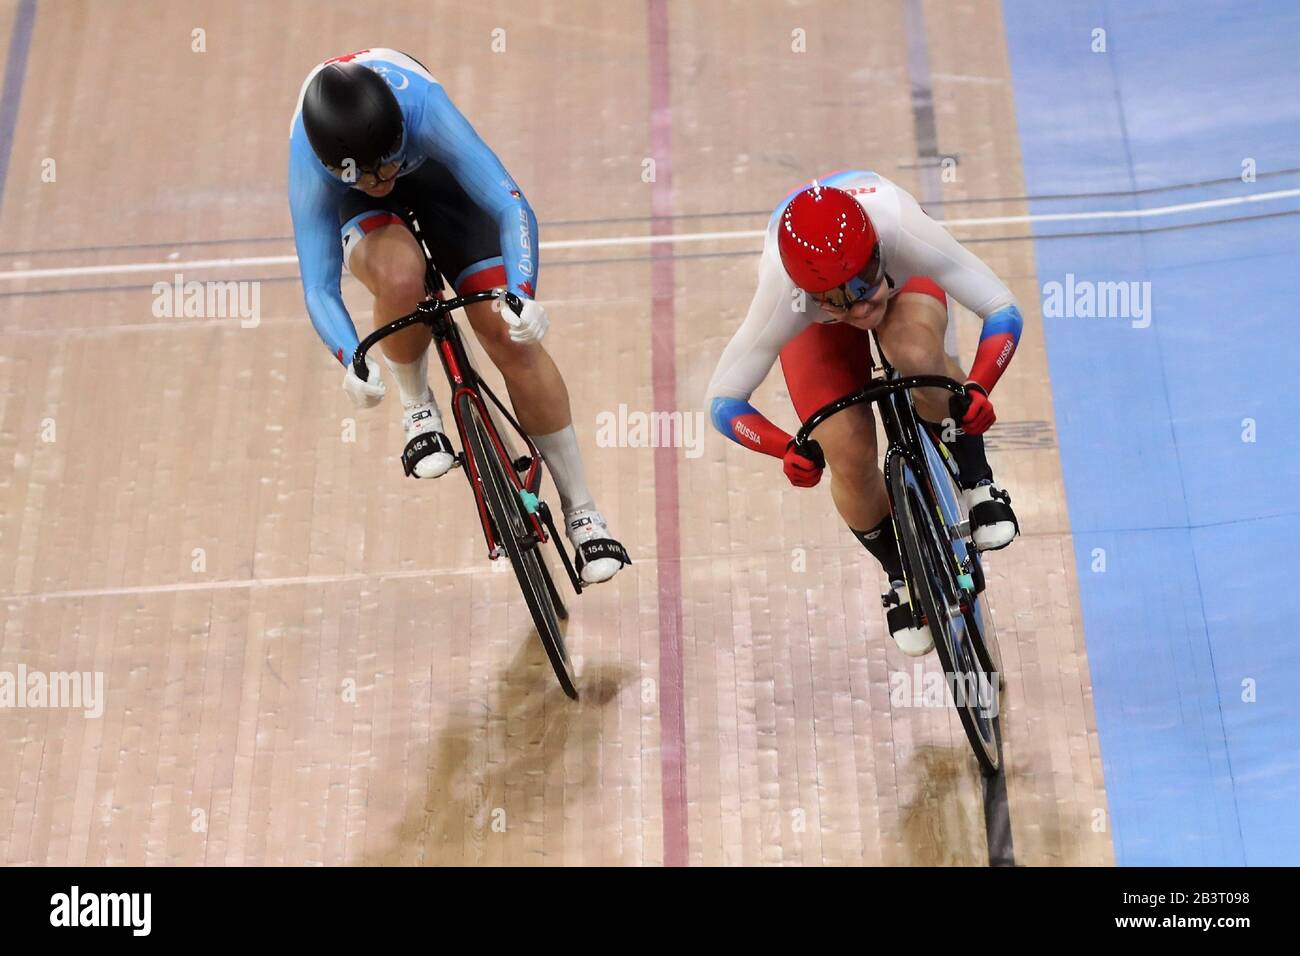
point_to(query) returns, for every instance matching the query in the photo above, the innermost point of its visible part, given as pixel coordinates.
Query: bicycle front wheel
(932, 583)
(954, 514)
(514, 532)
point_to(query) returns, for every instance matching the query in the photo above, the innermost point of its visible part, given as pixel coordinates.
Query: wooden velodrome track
(307, 657)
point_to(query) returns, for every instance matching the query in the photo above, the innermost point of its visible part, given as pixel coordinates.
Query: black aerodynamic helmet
(349, 112)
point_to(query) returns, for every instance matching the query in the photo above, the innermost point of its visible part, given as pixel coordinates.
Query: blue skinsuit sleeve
(313, 204)
(723, 413)
(447, 136)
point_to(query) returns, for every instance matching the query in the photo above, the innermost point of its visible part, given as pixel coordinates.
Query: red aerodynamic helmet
(826, 239)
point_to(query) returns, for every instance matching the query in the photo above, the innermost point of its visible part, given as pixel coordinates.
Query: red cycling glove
(802, 471)
(979, 414)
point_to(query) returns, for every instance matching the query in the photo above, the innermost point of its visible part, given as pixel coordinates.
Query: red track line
(663, 366)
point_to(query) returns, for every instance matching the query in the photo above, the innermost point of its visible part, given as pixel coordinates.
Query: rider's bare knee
(853, 460)
(397, 275)
(916, 356)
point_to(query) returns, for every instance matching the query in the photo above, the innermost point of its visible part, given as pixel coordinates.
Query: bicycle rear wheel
(933, 586)
(514, 531)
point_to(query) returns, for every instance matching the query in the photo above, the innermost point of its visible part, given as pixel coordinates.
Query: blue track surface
(1199, 599)
(11, 88)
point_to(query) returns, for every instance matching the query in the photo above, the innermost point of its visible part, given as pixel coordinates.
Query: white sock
(560, 452)
(412, 378)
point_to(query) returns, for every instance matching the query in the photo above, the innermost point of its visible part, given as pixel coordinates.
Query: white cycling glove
(368, 393)
(530, 325)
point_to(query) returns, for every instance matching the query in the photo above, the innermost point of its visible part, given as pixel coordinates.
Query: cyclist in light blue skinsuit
(375, 136)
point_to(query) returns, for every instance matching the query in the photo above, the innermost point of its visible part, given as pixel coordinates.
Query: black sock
(883, 545)
(968, 450)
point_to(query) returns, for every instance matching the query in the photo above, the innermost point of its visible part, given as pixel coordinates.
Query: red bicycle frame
(465, 382)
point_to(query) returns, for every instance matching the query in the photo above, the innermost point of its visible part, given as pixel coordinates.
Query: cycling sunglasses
(394, 158)
(859, 287)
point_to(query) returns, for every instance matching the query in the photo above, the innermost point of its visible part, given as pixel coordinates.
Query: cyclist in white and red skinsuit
(825, 355)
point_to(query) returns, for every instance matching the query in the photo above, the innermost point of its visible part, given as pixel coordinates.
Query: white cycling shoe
(428, 452)
(600, 557)
(911, 640)
(993, 523)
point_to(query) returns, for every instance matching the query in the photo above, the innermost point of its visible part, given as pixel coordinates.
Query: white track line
(245, 583)
(1127, 213)
(246, 262)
